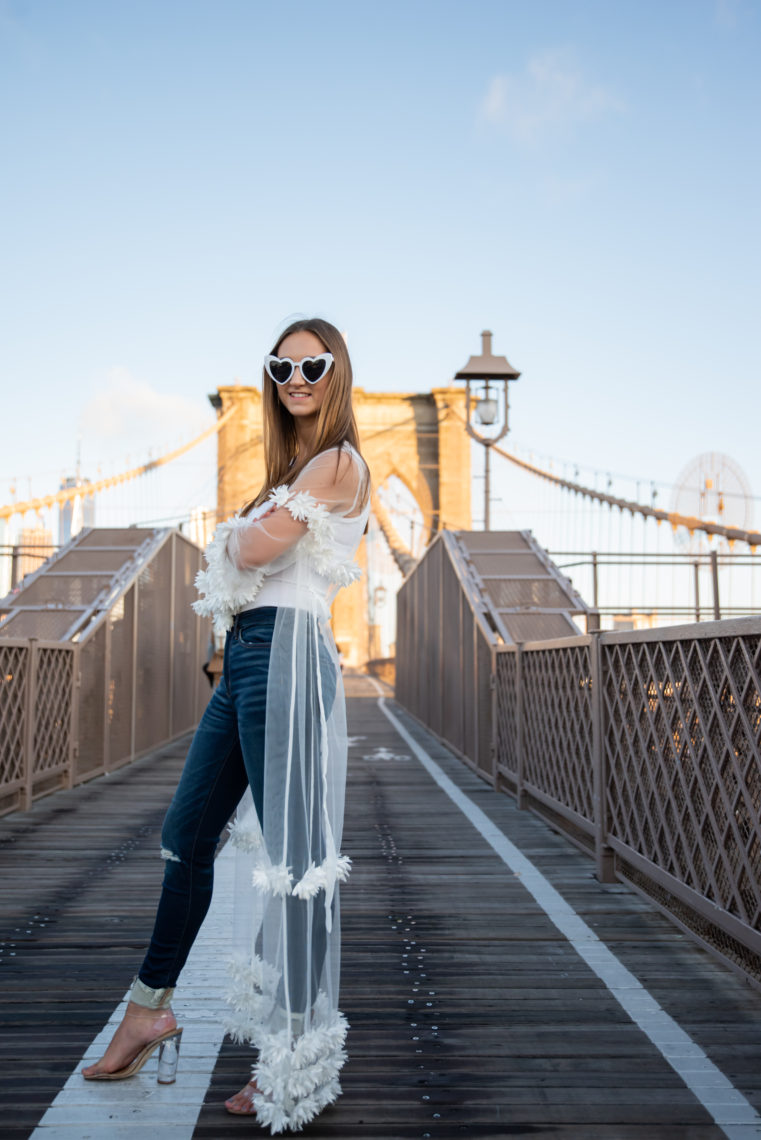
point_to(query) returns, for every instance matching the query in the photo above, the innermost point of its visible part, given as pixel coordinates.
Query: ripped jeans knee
(187, 865)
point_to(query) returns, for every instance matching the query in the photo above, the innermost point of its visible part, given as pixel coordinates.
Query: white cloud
(551, 95)
(128, 410)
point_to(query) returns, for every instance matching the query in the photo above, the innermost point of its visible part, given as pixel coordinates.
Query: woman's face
(301, 399)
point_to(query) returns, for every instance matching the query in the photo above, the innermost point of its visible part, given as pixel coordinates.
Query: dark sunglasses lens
(312, 370)
(281, 370)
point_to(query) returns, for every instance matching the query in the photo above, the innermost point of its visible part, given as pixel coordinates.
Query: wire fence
(643, 746)
(71, 710)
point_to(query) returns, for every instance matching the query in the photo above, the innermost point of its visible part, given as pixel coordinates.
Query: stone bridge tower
(418, 437)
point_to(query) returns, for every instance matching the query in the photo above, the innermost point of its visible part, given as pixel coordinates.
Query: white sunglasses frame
(326, 356)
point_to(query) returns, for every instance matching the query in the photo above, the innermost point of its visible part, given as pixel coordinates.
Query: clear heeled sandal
(168, 1045)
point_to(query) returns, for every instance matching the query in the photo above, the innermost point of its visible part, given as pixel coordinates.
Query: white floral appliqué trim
(224, 589)
(297, 1071)
(268, 876)
(246, 834)
(278, 879)
(298, 1075)
(250, 995)
(316, 878)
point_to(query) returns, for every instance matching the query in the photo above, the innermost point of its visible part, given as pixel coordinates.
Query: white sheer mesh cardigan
(294, 551)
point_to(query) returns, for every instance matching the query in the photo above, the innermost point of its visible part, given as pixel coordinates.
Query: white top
(295, 548)
(283, 578)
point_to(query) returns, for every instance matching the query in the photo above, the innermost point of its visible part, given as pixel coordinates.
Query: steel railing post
(520, 794)
(29, 722)
(604, 857)
(715, 577)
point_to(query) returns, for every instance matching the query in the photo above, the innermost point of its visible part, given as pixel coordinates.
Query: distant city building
(6, 561)
(203, 520)
(34, 545)
(77, 513)
(634, 620)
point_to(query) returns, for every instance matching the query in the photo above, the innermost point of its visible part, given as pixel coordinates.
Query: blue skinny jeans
(226, 755)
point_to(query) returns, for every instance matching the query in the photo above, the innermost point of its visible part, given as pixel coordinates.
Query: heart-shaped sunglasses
(312, 368)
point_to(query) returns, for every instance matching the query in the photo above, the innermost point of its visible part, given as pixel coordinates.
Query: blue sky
(580, 176)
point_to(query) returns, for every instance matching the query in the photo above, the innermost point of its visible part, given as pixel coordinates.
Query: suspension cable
(66, 494)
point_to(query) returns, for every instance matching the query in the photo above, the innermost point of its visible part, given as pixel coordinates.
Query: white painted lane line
(729, 1108)
(123, 1110)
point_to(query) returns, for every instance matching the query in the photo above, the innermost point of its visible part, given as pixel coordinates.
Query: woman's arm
(322, 485)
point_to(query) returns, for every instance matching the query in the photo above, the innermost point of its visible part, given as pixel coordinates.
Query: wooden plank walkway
(471, 1015)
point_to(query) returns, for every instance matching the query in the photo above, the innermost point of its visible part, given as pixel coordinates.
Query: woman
(272, 741)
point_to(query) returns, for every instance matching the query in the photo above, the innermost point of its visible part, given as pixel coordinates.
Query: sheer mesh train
(294, 551)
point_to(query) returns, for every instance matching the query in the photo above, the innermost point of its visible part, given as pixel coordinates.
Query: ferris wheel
(713, 488)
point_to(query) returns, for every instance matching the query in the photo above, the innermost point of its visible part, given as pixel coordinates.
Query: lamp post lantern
(489, 370)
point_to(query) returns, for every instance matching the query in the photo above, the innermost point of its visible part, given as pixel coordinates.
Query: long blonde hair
(335, 420)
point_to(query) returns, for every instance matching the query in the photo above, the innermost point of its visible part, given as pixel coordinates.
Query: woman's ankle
(148, 996)
(159, 1020)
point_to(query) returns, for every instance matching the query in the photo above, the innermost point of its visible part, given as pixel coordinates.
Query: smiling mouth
(299, 395)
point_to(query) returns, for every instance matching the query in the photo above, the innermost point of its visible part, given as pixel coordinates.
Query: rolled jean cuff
(144, 995)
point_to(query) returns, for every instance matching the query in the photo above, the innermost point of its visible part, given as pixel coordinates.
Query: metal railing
(18, 558)
(73, 710)
(642, 746)
(654, 589)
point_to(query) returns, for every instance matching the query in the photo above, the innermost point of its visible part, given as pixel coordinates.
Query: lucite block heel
(169, 1055)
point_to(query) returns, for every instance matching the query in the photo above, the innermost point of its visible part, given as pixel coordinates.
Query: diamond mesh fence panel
(14, 664)
(557, 726)
(732, 950)
(674, 721)
(122, 705)
(682, 736)
(507, 711)
(52, 711)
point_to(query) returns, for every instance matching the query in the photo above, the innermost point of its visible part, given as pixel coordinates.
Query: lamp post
(487, 369)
